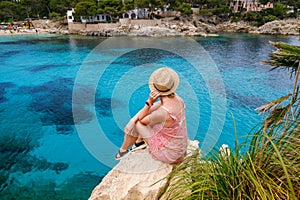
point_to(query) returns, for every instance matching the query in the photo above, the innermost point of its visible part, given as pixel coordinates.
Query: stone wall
(145, 22)
(77, 27)
(81, 27)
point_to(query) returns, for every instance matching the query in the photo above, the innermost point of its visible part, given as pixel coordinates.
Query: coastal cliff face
(171, 27)
(277, 27)
(136, 177)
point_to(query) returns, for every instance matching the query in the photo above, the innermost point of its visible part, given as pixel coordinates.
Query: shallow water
(45, 154)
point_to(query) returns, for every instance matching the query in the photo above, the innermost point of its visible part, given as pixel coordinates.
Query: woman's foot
(121, 154)
(138, 145)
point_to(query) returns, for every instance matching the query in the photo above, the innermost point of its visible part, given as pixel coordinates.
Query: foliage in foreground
(266, 167)
(270, 169)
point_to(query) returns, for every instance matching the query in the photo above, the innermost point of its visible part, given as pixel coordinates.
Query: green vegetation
(267, 166)
(185, 9)
(279, 11)
(85, 9)
(36, 9)
(219, 8)
(56, 9)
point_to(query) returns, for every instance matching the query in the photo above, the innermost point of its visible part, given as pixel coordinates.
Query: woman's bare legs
(142, 131)
(128, 141)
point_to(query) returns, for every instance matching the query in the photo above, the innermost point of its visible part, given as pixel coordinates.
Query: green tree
(35, 8)
(279, 10)
(8, 10)
(111, 7)
(60, 6)
(129, 5)
(185, 9)
(219, 8)
(173, 4)
(253, 16)
(155, 4)
(269, 18)
(205, 12)
(85, 8)
(222, 11)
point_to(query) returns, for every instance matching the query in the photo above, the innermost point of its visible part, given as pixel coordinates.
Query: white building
(90, 19)
(95, 19)
(70, 17)
(137, 14)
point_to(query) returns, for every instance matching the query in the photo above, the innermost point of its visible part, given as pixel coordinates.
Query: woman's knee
(143, 130)
(139, 126)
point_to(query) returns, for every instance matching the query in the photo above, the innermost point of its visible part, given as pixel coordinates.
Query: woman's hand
(153, 97)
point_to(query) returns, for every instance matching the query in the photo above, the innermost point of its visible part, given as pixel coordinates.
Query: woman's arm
(155, 106)
(147, 109)
(149, 103)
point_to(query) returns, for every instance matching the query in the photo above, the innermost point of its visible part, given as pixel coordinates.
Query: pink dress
(169, 143)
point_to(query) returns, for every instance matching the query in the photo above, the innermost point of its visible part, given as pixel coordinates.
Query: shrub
(185, 9)
(269, 18)
(205, 12)
(269, 169)
(55, 16)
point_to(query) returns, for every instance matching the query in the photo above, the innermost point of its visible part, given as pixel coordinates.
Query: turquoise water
(44, 155)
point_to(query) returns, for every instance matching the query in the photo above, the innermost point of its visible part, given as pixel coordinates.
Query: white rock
(137, 176)
(174, 26)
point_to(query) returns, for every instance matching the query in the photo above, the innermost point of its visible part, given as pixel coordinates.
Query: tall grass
(269, 169)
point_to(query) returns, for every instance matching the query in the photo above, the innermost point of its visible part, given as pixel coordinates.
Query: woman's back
(168, 142)
(175, 110)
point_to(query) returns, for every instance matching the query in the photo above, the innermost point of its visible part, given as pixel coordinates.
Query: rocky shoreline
(171, 27)
(197, 28)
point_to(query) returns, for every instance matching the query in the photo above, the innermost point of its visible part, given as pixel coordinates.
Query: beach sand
(20, 32)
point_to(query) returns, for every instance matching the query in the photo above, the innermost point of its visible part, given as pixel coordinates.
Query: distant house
(137, 14)
(248, 5)
(91, 19)
(130, 15)
(70, 17)
(95, 19)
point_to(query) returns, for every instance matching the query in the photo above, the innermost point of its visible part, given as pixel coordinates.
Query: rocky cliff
(277, 27)
(171, 27)
(137, 177)
(183, 27)
(280, 27)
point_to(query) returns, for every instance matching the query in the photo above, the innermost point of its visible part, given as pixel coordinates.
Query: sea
(65, 99)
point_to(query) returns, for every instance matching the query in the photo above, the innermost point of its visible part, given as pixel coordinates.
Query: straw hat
(164, 80)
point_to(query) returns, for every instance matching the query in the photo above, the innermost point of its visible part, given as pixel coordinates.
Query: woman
(162, 124)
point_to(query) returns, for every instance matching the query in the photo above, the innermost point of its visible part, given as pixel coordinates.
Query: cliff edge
(136, 177)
